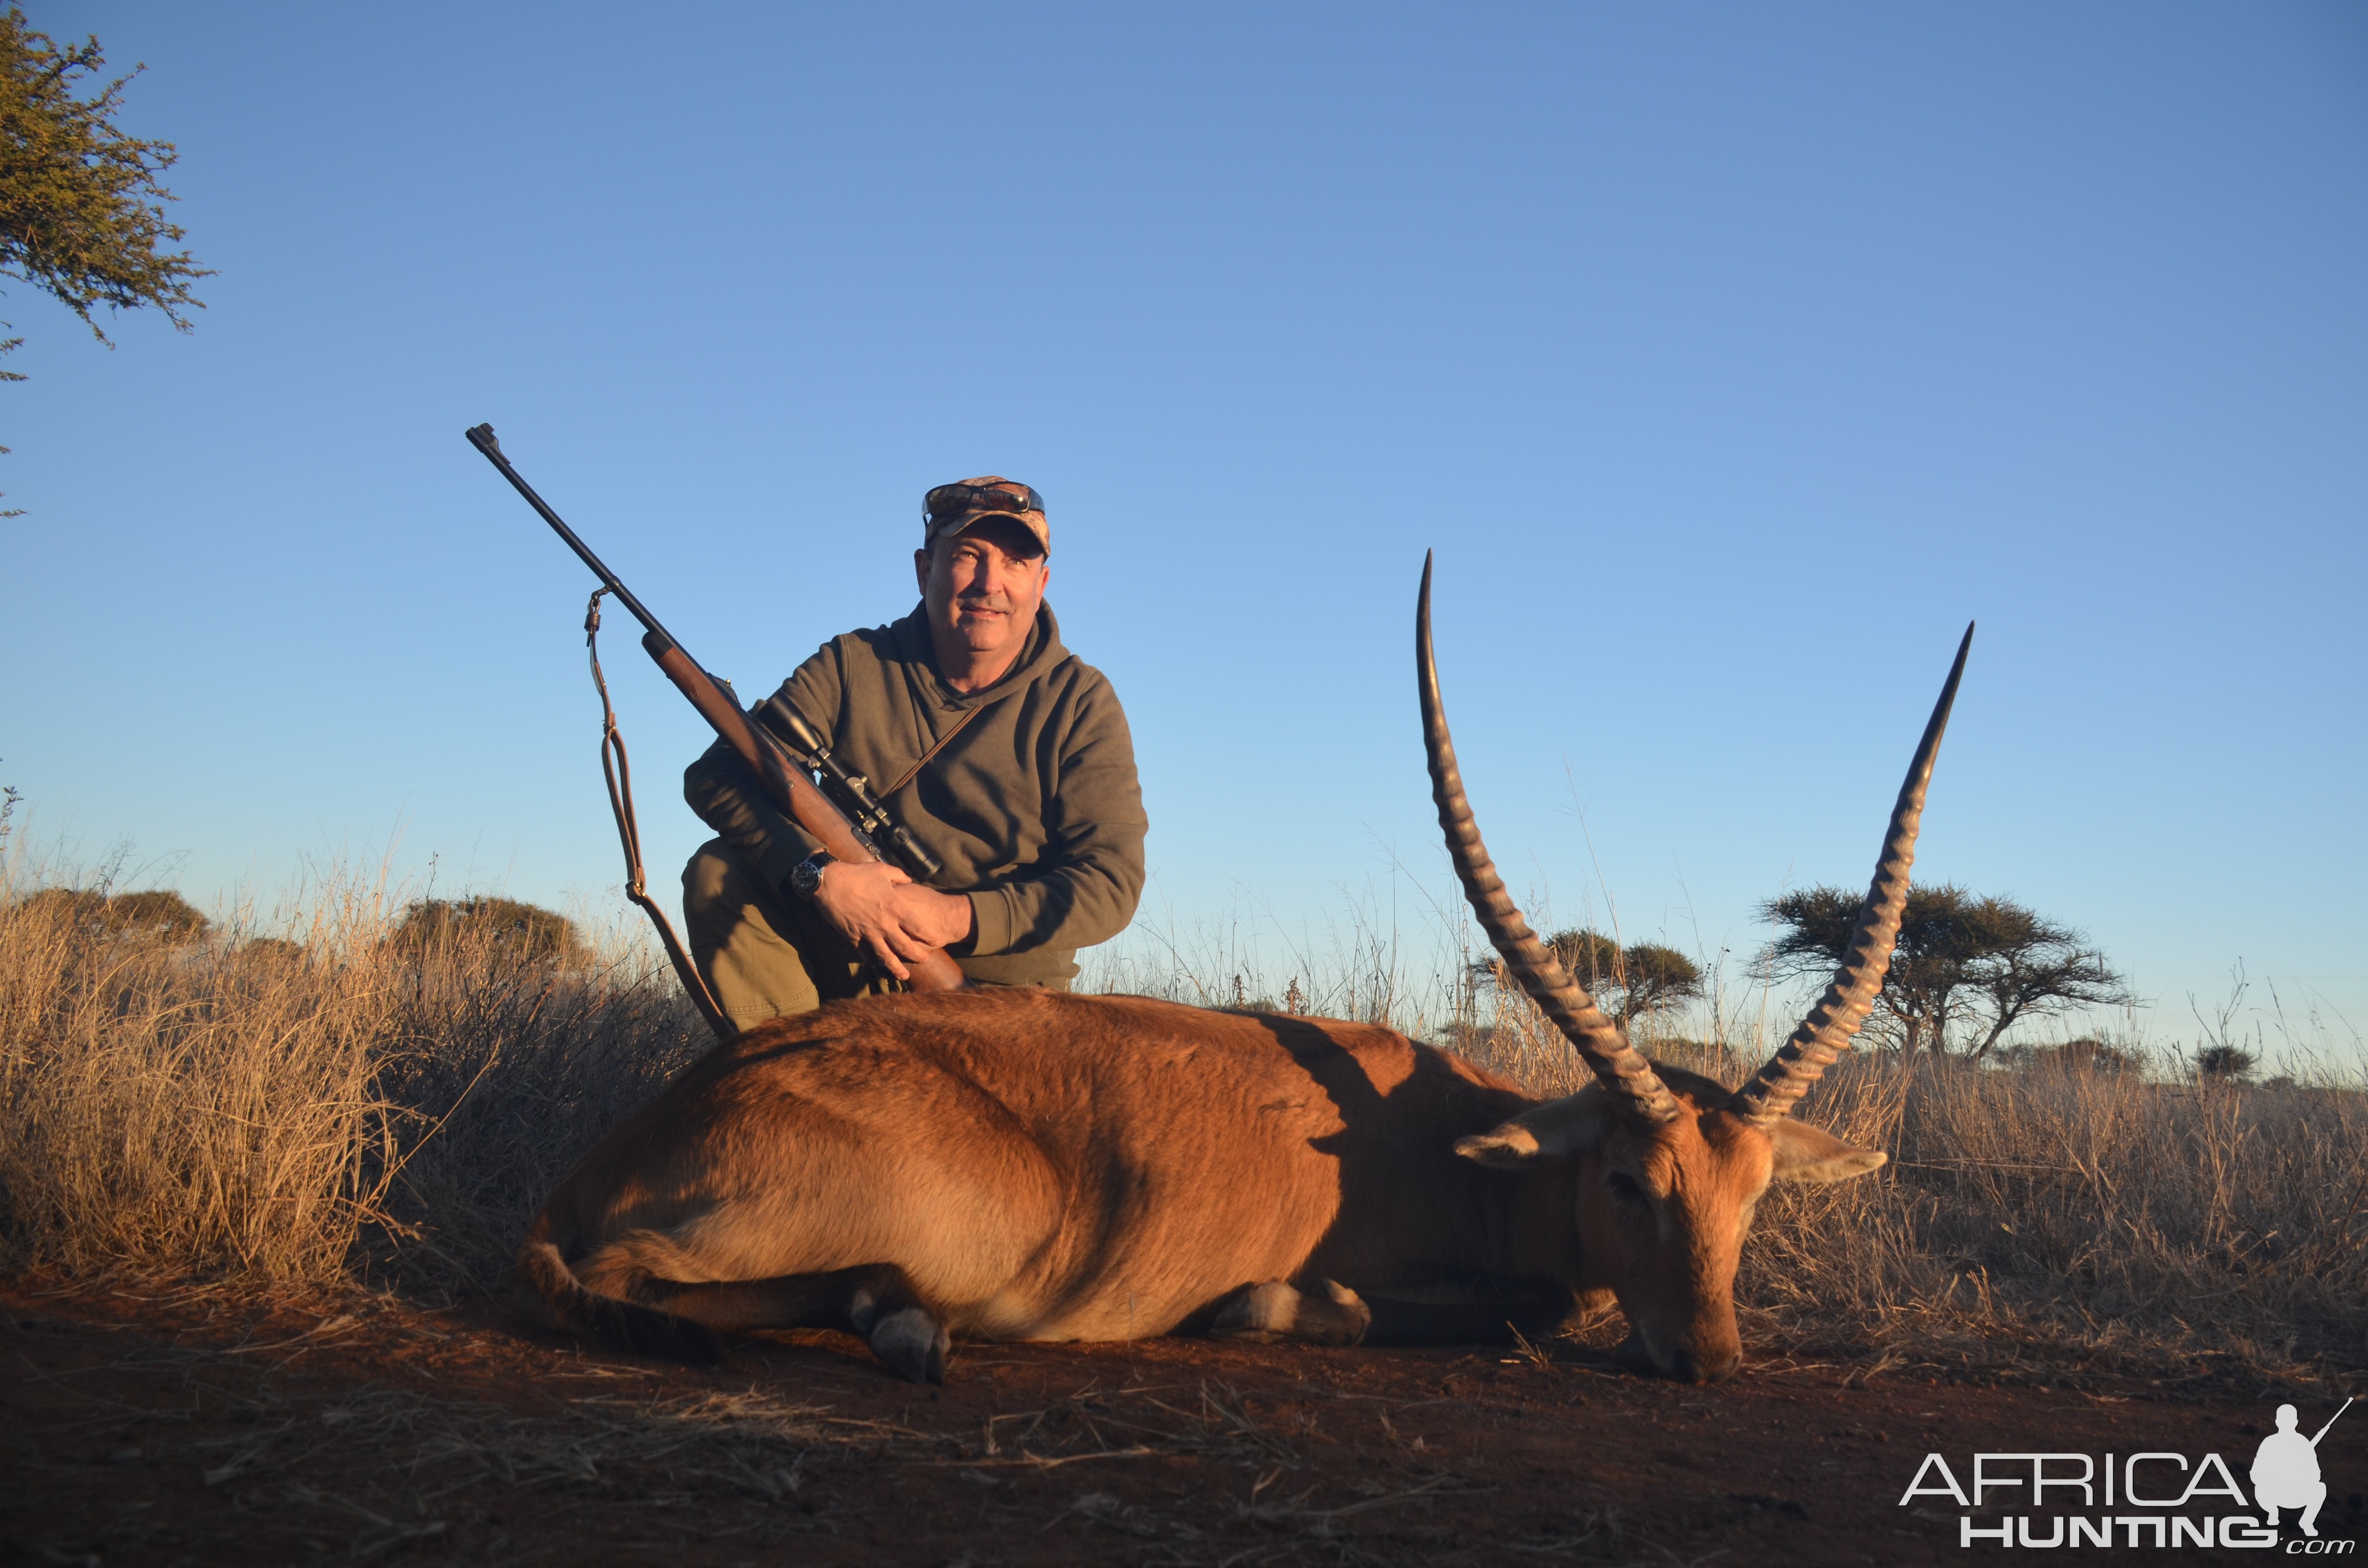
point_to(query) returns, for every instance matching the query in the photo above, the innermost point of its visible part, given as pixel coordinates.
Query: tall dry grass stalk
(308, 1105)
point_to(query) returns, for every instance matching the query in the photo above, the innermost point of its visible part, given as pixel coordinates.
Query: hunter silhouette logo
(2149, 1499)
(2285, 1473)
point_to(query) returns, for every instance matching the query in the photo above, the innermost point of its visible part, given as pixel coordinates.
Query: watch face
(806, 878)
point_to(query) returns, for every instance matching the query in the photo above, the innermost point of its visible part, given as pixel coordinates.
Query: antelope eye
(1624, 1188)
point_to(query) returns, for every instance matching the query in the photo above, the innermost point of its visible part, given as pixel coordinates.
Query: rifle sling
(618, 772)
(935, 746)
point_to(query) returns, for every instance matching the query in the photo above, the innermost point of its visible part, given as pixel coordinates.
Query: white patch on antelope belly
(1006, 1315)
(1117, 1313)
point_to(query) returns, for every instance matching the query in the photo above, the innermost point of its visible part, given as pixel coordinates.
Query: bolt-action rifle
(847, 827)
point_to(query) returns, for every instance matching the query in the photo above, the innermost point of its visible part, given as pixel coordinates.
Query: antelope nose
(1687, 1368)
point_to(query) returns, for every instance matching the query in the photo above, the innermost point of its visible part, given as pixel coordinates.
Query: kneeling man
(2285, 1472)
(1004, 753)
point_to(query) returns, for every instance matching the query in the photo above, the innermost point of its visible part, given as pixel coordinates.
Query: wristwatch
(805, 877)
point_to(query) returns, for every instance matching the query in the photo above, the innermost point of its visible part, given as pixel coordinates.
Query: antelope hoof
(1276, 1311)
(1263, 1312)
(1345, 1320)
(912, 1342)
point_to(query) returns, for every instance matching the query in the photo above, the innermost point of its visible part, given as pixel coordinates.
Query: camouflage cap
(949, 508)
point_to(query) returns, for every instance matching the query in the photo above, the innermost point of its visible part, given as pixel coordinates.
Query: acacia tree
(1589, 957)
(1957, 952)
(82, 208)
(1627, 983)
(2036, 969)
(1652, 979)
(1929, 964)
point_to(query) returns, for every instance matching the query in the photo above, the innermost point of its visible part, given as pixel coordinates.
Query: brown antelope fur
(1020, 1165)
(1662, 1210)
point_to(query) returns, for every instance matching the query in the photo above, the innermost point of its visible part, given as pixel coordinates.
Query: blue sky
(1731, 358)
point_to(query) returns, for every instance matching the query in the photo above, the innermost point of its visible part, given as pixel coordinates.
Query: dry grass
(2049, 1216)
(2105, 1213)
(319, 1104)
(329, 1106)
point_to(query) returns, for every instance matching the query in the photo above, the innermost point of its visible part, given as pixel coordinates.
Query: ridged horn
(1834, 1022)
(1621, 1068)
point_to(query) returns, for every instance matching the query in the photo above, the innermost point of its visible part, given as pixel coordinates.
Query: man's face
(981, 588)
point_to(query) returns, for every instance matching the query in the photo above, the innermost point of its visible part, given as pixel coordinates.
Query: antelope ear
(1809, 1154)
(1551, 1131)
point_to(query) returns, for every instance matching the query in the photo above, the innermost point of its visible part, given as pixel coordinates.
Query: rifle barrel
(481, 437)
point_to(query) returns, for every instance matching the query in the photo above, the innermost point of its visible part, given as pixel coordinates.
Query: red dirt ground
(206, 1429)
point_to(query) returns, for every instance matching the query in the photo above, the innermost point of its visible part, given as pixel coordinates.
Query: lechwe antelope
(1017, 1165)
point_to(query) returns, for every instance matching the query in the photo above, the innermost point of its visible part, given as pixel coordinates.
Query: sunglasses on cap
(968, 500)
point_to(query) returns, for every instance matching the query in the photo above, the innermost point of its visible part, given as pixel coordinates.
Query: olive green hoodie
(1034, 807)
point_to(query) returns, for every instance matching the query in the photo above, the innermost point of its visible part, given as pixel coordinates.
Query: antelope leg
(876, 1300)
(1322, 1313)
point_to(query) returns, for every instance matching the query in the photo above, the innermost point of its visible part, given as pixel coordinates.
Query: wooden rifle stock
(791, 791)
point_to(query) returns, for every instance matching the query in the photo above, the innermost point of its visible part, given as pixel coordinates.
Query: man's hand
(880, 909)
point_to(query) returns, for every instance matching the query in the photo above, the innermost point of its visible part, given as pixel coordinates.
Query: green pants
(769, 954)
(764, 953)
